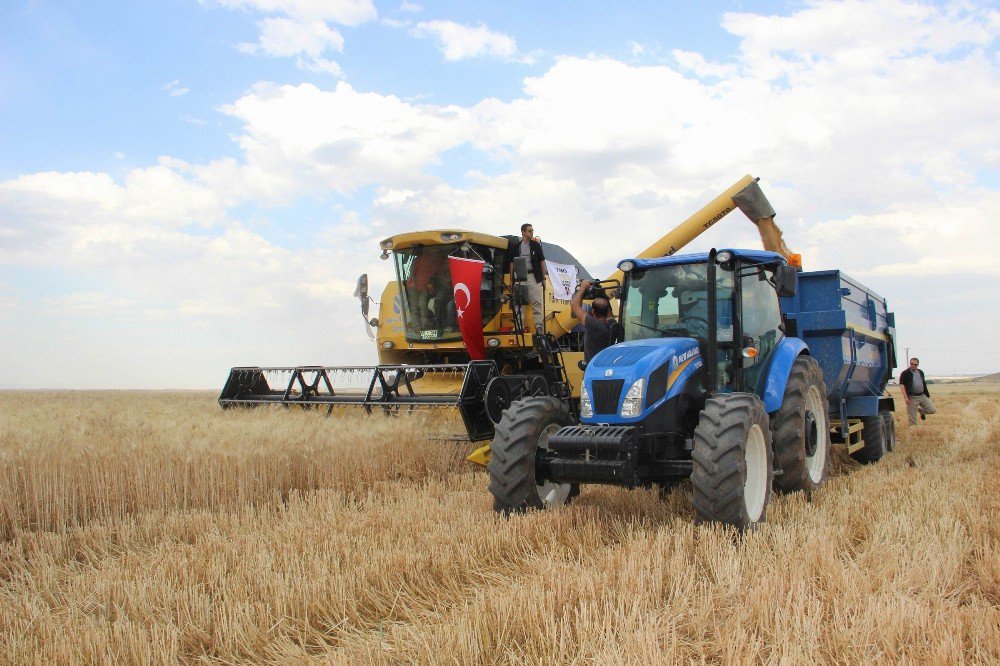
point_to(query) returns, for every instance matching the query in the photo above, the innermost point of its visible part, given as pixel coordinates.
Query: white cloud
(344, 12)
(285, 37)
(301, 29)
(459, 42)
(412, 7)
(175, 89)
(871, 144)
(343, 139)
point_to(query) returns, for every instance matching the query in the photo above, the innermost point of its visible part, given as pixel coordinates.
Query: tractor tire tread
(512, 463)
(788, 430)
(718, 458)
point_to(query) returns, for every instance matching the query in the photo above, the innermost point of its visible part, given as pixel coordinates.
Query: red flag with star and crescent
(467, 278)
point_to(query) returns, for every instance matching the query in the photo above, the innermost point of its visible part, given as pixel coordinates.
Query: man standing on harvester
(914, 387)
(531, 247)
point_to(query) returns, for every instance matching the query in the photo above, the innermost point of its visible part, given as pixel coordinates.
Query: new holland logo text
(677, 360)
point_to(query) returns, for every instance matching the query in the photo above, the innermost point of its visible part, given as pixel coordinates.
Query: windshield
(672, 301)
(427, 293)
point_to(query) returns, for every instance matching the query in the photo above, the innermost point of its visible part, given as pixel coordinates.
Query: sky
(188, 186)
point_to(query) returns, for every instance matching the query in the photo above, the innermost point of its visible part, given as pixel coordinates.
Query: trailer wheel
(523, 431)
(873, 433)
(733, 463)
(801, 430)
(890, 431)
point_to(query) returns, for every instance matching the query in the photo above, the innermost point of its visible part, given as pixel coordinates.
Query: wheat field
(152, 527)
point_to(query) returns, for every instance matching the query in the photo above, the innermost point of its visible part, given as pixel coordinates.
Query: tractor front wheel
(733, 462)
(521, 437)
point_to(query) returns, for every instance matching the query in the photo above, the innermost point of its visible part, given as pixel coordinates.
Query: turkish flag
(467, 276)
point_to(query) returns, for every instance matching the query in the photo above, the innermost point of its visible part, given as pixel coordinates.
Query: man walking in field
(915, 393)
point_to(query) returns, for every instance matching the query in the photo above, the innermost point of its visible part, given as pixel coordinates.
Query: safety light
(749, 352)
(493, 342)
(586, 409)
(387, 344)
(626, 266)
(632, 404)
(795, 260)
(724, 257)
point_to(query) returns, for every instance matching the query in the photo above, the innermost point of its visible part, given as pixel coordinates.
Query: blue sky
(186, 186)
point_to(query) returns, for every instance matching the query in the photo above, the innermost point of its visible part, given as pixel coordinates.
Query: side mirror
(786, 281)
(521, 266)
(361, 293)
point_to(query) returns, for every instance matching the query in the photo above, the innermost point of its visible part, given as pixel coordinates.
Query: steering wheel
(688, 318)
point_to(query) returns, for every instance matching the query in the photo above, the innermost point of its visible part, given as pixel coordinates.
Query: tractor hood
(663, 364)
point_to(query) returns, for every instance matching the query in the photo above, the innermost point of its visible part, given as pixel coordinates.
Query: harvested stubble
(155, 528)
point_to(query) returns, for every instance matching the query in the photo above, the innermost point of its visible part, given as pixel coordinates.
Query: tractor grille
(606, 393)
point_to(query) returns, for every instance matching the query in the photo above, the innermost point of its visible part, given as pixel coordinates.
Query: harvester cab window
(428, 294)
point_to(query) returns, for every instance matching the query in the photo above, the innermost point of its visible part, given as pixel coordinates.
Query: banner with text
(563, 278)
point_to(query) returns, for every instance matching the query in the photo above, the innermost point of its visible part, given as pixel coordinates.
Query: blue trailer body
(850, 331)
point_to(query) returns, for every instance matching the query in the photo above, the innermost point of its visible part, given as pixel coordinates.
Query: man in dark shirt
(596, 325)
(914, 387)
(531, 247)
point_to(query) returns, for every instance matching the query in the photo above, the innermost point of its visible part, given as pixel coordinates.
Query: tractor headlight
(586, 409)
(387, 344)
(724, 257)
(493, 342)
(626, 265)
(632, 405)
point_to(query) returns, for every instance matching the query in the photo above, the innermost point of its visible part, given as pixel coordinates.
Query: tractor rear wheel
(521, 436)
(733, 462)
(890, 430)
(873, 433)
(801, 430)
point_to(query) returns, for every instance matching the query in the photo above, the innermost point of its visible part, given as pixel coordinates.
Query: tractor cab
(672, 297)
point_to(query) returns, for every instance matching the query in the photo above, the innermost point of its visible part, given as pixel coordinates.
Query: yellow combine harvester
(423, 360)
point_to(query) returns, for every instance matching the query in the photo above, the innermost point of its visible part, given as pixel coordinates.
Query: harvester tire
(873, 433)
(733, 463)
(801, 430)
(524, 429)
(890, 431)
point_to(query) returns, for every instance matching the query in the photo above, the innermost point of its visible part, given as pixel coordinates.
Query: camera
(594, 291)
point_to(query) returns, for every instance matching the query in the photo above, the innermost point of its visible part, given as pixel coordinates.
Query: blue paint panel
(845, 324)
(756, 256)
(630, 361)
(777, 375)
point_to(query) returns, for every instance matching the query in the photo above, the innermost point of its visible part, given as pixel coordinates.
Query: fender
(785, 354)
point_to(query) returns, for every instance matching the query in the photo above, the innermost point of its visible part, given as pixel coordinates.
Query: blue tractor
(732, 369)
